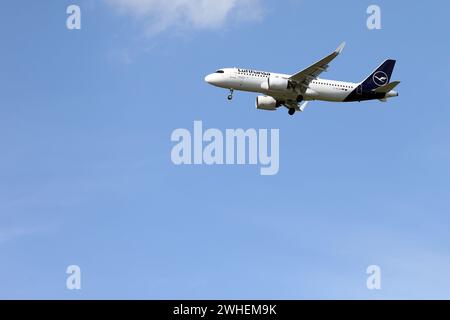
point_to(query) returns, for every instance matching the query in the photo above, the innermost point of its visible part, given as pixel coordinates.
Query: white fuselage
(256, 81)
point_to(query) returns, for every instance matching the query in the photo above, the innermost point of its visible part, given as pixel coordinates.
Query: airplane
(304, 86)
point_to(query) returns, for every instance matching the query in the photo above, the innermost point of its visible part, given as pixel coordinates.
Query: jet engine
(266, 103)
(276, 84)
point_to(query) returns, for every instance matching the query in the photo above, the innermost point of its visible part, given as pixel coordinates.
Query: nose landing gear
(230, 96)
(291, 111)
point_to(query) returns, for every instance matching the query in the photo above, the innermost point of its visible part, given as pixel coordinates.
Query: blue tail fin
(380, 77)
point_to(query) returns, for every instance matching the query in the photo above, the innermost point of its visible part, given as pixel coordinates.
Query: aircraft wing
(304, 77)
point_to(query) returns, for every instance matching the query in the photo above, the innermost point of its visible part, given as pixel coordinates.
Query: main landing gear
(230, 96)
(291, 111)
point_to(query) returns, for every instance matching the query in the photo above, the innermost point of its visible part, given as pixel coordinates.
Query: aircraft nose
(209, 79)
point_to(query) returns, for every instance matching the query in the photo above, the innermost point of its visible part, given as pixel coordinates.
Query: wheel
(230, 97)
(291, 111)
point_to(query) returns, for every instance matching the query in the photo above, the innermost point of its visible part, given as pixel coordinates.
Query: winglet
(340, 48)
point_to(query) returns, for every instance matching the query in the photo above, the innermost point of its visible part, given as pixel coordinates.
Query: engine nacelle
(276, 84)
(266, 103)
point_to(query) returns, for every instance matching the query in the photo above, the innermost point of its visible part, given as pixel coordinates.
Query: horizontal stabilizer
(387, 88)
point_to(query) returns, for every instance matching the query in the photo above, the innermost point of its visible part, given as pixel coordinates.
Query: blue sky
(86, 176)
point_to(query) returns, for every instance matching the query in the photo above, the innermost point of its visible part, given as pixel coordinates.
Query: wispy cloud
(160, 15)
(10, 233)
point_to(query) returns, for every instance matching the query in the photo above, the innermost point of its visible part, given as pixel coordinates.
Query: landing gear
(300, 98)
(230, 96)
(291, 111)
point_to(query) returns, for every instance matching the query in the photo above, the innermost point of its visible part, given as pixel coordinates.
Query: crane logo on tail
(380, 78)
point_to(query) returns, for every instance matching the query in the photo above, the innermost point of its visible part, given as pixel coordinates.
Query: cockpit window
(220, 71)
